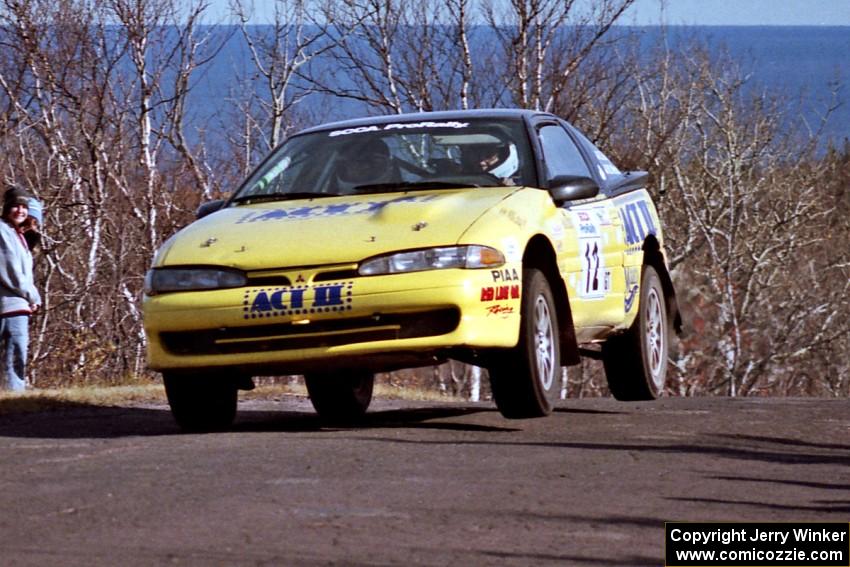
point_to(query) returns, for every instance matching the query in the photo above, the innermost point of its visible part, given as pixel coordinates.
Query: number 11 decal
(591, 285)
(596, 280)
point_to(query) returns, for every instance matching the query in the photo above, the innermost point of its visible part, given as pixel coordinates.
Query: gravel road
(416, 484)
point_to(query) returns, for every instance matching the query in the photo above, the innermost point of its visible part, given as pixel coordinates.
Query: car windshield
(388, 157)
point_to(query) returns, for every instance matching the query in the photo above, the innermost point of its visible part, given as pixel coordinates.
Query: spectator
(32, 226)
(19, 298)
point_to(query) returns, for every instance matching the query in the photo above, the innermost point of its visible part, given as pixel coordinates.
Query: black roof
(422, 116)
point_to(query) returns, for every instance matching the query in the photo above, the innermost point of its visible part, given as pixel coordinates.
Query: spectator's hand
(34, 307)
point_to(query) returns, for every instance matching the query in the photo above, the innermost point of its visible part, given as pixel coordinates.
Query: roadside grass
(38, 400)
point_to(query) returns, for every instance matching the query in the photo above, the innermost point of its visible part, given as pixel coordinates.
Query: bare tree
(279, 52)
(743, 216)
(402, 56)
(545, 41)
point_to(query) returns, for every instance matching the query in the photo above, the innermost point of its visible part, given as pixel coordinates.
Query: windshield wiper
(262, 198)
(412, 186)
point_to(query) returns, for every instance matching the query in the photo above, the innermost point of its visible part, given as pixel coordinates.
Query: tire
(526, 379)
(201, 403)
(340, 397)
(636, 362)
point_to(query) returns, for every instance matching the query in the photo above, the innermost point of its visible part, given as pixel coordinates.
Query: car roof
(413, 117)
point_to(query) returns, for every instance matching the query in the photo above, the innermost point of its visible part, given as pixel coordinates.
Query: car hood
(333, 230)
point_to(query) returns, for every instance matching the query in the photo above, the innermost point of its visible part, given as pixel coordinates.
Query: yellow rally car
(503, 238)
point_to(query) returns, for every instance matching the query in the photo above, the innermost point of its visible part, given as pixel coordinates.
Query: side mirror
(209, 208)
(565, 188)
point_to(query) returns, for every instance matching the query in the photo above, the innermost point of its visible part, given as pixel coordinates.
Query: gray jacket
(17, 286)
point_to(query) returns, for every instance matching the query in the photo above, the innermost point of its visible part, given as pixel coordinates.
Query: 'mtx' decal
(334, 210)
(637, 221)
(298, 300)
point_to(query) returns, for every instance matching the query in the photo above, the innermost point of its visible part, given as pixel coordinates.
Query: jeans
(14, 338)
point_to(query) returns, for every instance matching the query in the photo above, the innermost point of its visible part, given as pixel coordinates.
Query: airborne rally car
(502, 238)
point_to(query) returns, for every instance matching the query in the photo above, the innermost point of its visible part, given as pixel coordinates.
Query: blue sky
(744, 12)
(681, 12)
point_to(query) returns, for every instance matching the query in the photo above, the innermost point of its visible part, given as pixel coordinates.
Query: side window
(561, 154)
(604, 164)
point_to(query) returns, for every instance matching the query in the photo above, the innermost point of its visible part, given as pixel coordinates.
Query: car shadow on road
(539, 558)
(709, 447)
(587, 411)
(818, 506)
(825, 496)
(782, 441)
(785, 482)
(404, 418)
(72, 420)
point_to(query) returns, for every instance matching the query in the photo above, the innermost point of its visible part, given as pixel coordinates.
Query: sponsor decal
(398, 126)
(601, 216)
(632, 288)
(510, 246)
(630, 298)
(297, 300)
(588, 223)
(505, 275)
(499, 293)
(500, 310)
(329, 211)
(556, 229)
(587, 229)
(513, 216)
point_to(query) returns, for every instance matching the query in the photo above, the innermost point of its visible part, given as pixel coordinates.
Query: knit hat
(15, 196)
(37, 210)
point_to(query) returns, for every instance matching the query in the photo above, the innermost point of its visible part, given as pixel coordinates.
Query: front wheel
(201, 403)
(340, 397)
(636, 362)
(525, 380)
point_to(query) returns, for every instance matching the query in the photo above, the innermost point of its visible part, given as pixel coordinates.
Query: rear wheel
(340, 396)
(525, 380)
(636, 362)
(202, 402)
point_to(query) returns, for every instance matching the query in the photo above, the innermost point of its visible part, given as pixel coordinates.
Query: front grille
(282, 337)
(336, 275)
(269, 281)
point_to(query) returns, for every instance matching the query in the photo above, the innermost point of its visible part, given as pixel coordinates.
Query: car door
(593, 265)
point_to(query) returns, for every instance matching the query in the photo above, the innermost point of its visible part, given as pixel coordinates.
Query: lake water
(802, 63)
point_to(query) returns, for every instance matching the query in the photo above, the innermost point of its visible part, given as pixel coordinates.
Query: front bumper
(374, 322)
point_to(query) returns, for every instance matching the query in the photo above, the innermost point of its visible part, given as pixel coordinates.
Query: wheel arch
(652, 256)
(539, 254)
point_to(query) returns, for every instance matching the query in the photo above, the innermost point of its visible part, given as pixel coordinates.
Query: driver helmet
(499, 159)
(364, 164)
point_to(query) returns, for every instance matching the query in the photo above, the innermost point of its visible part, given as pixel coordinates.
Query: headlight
(162, 280)
(433, 259)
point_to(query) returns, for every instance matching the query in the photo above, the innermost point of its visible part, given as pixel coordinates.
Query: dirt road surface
(417, 484)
